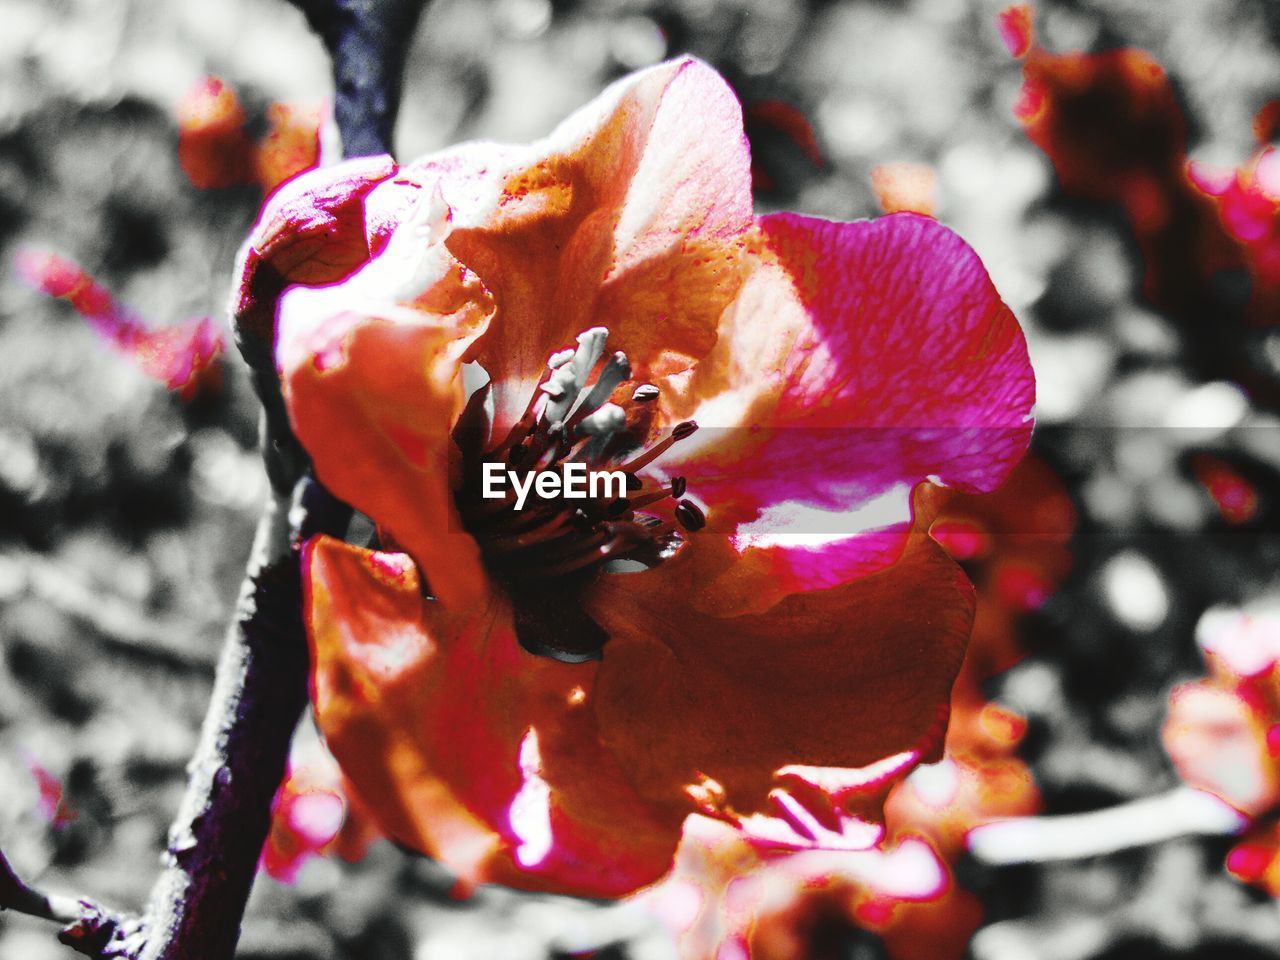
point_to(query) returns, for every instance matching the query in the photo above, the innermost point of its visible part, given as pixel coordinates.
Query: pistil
(556, 545)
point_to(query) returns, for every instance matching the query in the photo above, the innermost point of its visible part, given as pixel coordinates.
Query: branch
(260, 689)
(261, 686)
(368, 41)
(259, 694)
(1180, 812)
(88, 927)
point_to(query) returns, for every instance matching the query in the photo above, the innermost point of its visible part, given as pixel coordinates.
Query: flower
(727, 897)
(761, 629)
(215, 150)
(1222, 733)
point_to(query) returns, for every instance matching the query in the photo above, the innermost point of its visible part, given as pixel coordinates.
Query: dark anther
(682, 430)
(634, 483)
(690, 516)
(645, 393)
(619, 507)
(516, 456)
(678, 486)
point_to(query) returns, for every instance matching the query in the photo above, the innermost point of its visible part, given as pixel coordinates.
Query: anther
(619, 507)
(678, 485)
(679, 432)
(645, 393)
(633, 483)
(690, 516)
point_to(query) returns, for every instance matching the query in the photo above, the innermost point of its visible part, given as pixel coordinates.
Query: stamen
(555, 545)
(679, 432)
(682, 430)
(571, 377)
(605, 422)
(615, 372)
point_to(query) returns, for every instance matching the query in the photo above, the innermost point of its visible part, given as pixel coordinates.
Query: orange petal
(845, 677)
(628, 215)
(372, 384)
(430, 714)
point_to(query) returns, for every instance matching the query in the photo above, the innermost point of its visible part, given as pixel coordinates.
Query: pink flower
(760, 630)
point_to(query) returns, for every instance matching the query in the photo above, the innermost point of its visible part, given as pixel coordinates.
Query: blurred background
(1127, 206)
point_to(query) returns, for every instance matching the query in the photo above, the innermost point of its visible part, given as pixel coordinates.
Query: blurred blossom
(1222, 733)
(215, 150)
(1235, 496)
(184, 357)
(1014, 24)
(213, 147)
(1113, 128)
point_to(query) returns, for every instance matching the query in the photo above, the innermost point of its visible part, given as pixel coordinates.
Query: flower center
(545, 544)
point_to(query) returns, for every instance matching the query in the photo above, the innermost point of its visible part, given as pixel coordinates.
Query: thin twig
(18, 896)
(87, 927)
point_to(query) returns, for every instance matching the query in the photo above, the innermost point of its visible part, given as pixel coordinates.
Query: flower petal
(410, 695)
(371, 380)
(860, 360)
(629, 215)
(845, 677)
(310, 231)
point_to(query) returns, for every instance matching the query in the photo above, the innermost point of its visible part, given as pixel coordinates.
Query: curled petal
(310, 231)
(372, 384)
(410, 696)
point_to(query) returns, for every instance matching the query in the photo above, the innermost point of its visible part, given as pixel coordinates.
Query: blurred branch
(1180, 812)
(368, 41)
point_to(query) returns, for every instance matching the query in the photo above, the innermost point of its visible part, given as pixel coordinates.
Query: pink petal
(865, 358)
